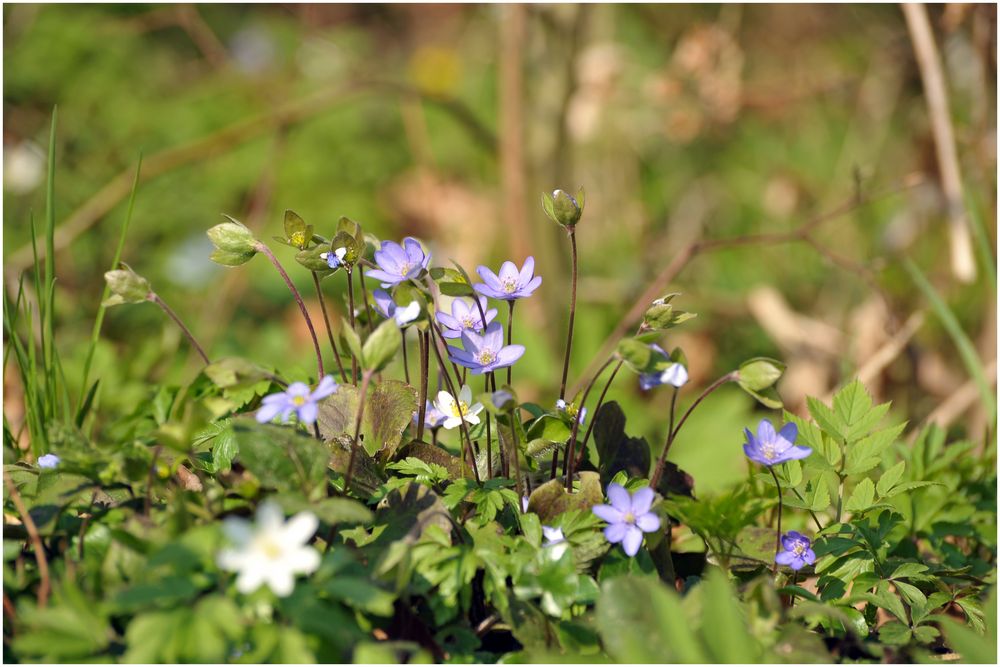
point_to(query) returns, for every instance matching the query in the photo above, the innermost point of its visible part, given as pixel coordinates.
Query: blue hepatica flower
(628, 516)
(48, 461)
(486, 353)
(772, 448)
(797, 551)
(335, 258)
(398, 263)
(510, 284)
(675, 374)
(433, 418)
(298, 399)
(385, 305)
(465, 317)
(581, 413)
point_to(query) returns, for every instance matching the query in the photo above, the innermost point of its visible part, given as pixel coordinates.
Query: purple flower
(510, 284)
(298, 399)
(335, 258)
(464, 317)
(398, 263)
(48, 461)
(387, 307)
(433, 418)
(628, 516)
(797, 551)
(675, 374)
(770, 448)
(552, 536)
(486, 353)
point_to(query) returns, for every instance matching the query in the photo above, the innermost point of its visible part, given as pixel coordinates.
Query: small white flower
(404, 316)
(272, 551)
(455, 411)
(675, 375)
(336, 259)
(552, 535)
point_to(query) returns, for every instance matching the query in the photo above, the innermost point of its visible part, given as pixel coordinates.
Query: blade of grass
(966, 350)
(982, 242)
(47, 321)
(95, 334)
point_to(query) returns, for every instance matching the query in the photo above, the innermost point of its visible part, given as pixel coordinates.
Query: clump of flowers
(796, 551)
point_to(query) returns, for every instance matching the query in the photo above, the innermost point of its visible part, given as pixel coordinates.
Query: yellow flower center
(629, 517)
(459, 409)
(271, 549)
(299, 401)
(468, 322)
(769, 451)
(799, 548)
(404, 269)
(486, 357)
(298, 239)
(509, 285)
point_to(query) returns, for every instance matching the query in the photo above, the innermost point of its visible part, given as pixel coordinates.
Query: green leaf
(726, 636)
(759, 373)
(637, 355)
(551, 499)
(351, 338)
(889, 478)
(280, 457)
(862, 497)
(642, 621)
(361, 594)
(389, 408)
(769, 397)
(826, 418)
(381, 346)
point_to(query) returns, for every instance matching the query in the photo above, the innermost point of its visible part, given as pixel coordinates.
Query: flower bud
(563, 208)
(126, 286)
(234, 243)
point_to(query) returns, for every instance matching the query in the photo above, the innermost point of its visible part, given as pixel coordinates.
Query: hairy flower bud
(126, 286)
(234, 243)
(563, 208)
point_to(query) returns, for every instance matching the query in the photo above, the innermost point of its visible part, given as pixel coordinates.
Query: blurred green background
(447, 122)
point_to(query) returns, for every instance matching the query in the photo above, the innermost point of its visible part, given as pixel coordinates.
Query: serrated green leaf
(862, 497)
(889, 478)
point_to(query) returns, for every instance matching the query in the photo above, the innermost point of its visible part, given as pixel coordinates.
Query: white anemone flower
(456, 411)
(270, 551)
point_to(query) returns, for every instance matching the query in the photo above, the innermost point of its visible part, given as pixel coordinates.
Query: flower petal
(269, 516)
(648, 522)
(765, 431)
(269, 411)
(784, 557)
(642, 500)
(620, 498)
(280, 581)
(632, 541)
(384, 277)
(509, 354)
(300, 528)
(508, 271)
(527, 270)
(308, 412)
(789, 432)
(607, 513)
(383, 303)
(326, 387)
(303, 560)
(615, 532)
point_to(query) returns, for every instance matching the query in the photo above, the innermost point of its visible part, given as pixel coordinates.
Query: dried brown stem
(44, 585)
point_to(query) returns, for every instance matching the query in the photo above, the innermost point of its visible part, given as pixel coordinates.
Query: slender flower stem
(262, 248)
(600, 402)
(364, 297)
(406, 362)
(350, 307)
(510, 334)
(363, 394)
(673, 409)
(44, 585)
(329, 329)
(777, 535)
(422, 410)
(572, 316)
(451, 388)
(658, 472)
(516, 453)
(155, 298)
(489, 439)
(570, 460)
